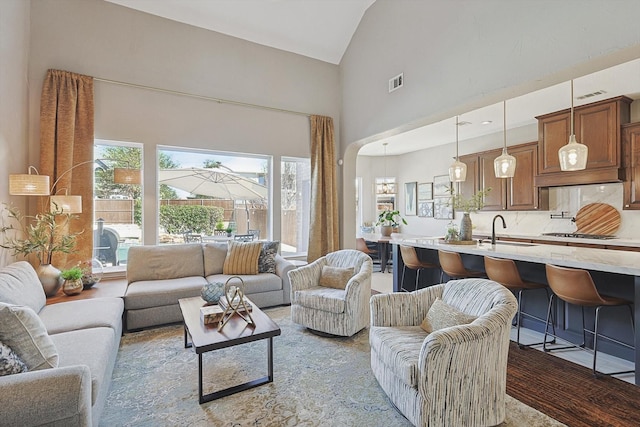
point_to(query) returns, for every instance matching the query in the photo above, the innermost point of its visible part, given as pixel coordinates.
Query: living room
(432, 42)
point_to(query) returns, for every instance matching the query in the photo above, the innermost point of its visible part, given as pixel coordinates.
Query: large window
(295, 213)
(209, 195)
(117, 207)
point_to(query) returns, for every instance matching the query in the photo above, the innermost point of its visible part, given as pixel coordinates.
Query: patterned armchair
(333, 311)
(455, 376)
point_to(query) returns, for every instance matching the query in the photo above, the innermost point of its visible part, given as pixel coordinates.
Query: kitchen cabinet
(631, 165)
(515, 194)
(597, 125)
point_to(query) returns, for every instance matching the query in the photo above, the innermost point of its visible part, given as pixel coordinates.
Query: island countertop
(621, 262)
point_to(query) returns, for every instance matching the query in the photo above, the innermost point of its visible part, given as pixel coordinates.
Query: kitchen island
(615, 273)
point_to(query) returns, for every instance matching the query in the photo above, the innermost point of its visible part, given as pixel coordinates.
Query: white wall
(112, 42)
(458, 56)
(14, 49)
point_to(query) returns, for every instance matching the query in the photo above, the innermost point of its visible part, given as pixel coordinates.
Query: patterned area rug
(317, 382)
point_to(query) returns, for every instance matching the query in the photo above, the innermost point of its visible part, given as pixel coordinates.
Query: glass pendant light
(457, 170)
(573, 156)
(504, 165)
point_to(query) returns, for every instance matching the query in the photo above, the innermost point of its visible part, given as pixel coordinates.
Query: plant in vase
(72, 280)
(43, 235)
(389, 220)
(467, 206)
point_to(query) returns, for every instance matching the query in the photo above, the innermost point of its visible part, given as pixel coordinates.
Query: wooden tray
(598, 218)
(459, 242)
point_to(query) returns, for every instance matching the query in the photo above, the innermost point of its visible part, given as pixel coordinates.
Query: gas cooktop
(581, 235)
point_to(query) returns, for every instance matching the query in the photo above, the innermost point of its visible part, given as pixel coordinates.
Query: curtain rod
(207, 98)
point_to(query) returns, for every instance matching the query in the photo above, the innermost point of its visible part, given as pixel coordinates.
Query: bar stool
(412, 262)
(575, 286)
(361, 245)
(505, 272)
(451, 265)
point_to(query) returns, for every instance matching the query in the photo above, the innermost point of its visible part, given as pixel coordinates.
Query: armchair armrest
(401, 308)
(306, 276)
(60, 396)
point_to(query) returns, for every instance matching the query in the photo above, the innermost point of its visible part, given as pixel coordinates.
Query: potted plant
(229, 231)
(43, 235)
(72, 280)
(389, 220)
(468, 205)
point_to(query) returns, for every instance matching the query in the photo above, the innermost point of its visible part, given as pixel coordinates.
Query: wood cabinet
(631, 165)
(517, 193)
(597, 125)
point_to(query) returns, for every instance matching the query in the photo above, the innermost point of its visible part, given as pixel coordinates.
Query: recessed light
(487, 122)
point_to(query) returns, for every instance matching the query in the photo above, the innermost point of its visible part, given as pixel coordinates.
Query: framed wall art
(425, 209)
(410, 198)
(441, 186)
(425, 191)
(443, 207)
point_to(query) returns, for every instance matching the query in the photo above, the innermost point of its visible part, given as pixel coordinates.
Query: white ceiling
(320, 29)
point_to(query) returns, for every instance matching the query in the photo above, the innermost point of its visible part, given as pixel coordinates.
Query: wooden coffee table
(205, 338)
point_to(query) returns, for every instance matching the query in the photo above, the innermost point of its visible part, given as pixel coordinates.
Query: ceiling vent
(396, 82)
(589, 95)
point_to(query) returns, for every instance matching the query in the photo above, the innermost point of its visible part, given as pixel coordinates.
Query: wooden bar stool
(575, 286)
(505, 272)
(412, 262)
(451, 265)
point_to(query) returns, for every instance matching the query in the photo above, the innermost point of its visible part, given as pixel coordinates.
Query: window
(295, 212)
(208, 195)
(117, 207)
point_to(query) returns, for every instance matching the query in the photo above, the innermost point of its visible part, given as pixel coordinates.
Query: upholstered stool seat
(413, 262)
(451, 265)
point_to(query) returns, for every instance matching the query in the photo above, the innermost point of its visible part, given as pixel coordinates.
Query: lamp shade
(28, 185)
(573, 156)
(66, 204)
(457, 171)
(504, 165)
(126, 176)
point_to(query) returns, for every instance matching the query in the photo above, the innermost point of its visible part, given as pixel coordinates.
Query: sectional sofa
(69, 350)
(159, 275)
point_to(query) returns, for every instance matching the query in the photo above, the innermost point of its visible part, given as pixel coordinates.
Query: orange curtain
(323, 230)
(66, 139)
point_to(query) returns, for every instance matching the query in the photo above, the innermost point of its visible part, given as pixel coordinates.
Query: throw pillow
(10, 363)
(23, 331)
(441, 315)
(335, 277)
(267, 260)
(242, 258)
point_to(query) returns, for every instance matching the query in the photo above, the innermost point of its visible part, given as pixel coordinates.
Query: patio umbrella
(214, 183)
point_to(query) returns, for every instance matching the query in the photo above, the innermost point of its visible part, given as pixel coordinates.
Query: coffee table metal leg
(240, 387)
(186, 332)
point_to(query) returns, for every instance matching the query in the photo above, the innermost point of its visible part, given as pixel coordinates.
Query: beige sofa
(83, 337)
(159, 275)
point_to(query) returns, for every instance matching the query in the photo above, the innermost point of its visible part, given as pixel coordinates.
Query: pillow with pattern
(441, 315)
(242, 258)
(335, 277)
(10, 363)
(267, 260)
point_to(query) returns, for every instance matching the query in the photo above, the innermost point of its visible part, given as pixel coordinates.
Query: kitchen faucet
(493, 228)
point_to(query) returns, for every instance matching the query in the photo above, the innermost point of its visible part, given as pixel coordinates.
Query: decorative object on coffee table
(212, 292)
(235, 301)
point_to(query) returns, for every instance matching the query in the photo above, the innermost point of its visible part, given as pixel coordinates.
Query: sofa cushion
(267, 259)
(253, 284)
(441, 315)
(90, 347)
(159, 262)
(335, 277)
(19, 285)
(83, 314)
(242, 258)
(155, 293)
(10, 363)
(399, 347)
(214, 256)
(23, 331)
(322, 298)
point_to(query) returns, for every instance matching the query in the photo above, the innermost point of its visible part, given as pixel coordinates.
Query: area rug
(317, 382)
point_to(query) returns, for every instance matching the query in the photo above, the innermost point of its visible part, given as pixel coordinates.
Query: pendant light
(457, 170)
(573, 156)
(504, 165)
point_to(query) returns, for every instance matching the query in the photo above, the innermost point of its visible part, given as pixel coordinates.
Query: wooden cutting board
(598, 218)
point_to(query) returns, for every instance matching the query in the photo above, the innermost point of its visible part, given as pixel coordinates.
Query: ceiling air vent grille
(396, 82)
(589, 95)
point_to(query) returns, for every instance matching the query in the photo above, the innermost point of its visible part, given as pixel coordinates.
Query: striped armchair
(333, 311)
(454, 376)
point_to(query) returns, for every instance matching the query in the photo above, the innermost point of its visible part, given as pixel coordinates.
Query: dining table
(383, 248)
